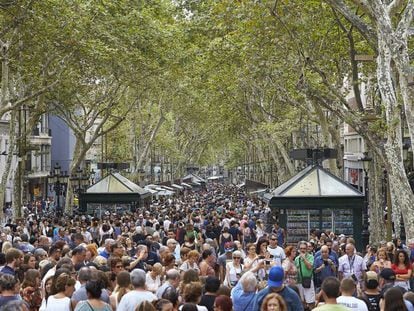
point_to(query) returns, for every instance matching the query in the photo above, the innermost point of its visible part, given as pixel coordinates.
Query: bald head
(325, 252)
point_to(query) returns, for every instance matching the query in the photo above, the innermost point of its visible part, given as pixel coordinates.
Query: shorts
(307, 294)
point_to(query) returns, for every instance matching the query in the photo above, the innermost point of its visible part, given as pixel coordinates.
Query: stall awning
(193, 178)
(152, 191)
(168, 188)
(215, 177)
(177, 186)
(186, 185)
(166, 193)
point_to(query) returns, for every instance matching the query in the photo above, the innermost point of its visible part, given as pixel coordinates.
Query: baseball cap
(229, 247)
(387, 274)
(371, 279)
(372, 275)
(276, 275)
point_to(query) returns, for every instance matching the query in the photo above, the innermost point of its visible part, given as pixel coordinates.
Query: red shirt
(399, 270)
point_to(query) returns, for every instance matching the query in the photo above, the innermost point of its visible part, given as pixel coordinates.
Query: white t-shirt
(60, 304)
(131, 300)
(199, 308)
(152, 285)
(278, 255)
(352, 303)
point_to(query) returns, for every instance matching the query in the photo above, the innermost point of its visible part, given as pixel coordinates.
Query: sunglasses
(236, 257)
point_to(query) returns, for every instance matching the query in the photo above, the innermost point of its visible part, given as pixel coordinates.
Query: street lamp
(57, 182)
(82, 178)
(365, 218)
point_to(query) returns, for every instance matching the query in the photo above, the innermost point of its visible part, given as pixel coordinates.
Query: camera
(261, 257)
(353, 276)
(267, 262)
(325, 262)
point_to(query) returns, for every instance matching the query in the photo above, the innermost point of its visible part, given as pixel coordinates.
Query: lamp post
(83, 180)
(365, 218)
(57, 182)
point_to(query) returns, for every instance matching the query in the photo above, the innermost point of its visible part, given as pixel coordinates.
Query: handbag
(306, 281)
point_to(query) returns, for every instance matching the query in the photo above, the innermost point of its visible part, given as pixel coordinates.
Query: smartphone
(353, 276)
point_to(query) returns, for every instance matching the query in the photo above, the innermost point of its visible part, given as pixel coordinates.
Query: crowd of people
(203, 250)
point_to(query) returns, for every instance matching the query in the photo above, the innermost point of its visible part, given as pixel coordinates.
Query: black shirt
(208, 301)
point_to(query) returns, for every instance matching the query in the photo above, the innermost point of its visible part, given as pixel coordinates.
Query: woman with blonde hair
(381, 261)
(6, 246)
(153, 277)
(273, 302)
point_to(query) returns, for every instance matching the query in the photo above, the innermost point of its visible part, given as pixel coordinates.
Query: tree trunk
(285, 156)
(377, 226)
(401, 194)
(154, 132)
(326, 137)
(9, 161)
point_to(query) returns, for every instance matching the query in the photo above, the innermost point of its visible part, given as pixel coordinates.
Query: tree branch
(394, 6)
(406, 20)
(366, 31)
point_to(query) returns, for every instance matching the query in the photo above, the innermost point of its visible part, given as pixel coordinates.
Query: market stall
(317, 199)
(114, 193)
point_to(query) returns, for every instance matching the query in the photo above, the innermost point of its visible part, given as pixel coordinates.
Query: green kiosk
(115, 194)
(317, 199)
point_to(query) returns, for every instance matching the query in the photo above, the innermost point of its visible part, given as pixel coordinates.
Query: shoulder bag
(306, 281)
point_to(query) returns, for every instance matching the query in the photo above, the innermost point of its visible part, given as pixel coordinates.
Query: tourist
(351, 265)
(211, 286)
(139, 294)
(381, 261)
(233, 270)
(276, 284)
(323, 266)
(171, 283)
(276, 251)
(64, 286)
(289, 266)
(330, 292)
(274, 302)
(304, 266)
(192, 294)
(223, 303)
(347, 299)
(244, 292)
(94, 291)
(123, 286)
(402, 268)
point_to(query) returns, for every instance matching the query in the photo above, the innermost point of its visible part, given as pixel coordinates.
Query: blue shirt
(242, 300)
(291, 298)
(332, 256)
(325, 272)
(8, 270)
(104, 254)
